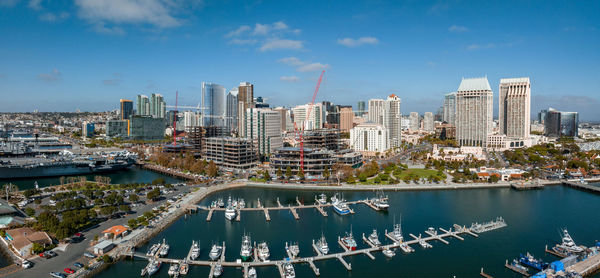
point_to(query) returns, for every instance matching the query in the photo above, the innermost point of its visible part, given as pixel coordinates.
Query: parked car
(49, 254)
(26, 264)
(69, 270)
(89, 255)
(78, 264)
(57, 275)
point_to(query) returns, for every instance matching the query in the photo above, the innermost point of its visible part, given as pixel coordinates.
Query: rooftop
(474, 84)
(515, 80)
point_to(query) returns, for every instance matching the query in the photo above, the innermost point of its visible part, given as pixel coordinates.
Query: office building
(445, 131)
(259, 102)
(126, 109)
(230, 153)
(315, 119)
(315, 160)
(147, 128)
(561, 124)
(514, 107)
(263, 126)
(87, 129)
(143, 105)
(369, 139)
(286, 119)
(231, 111)
(428, 123)
(346, 118)
(450, 108)
(245, 101)
(474, 111)
(190, 119)
(213, 104)
(157, 106)
(541, 118)
(387, 113)
(415, 121)
(361, 109)
(117, 128)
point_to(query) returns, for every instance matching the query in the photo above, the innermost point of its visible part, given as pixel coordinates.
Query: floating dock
(516, 269)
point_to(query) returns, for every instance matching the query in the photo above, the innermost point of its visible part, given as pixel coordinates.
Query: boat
(334, 198)
(432, 231)
(218, 270)
(195, 251)
(348, 241)
(252, 273)
(396, 234)
(246, 249)
(567, 246)
(164, 249)
(322, 245)
(423, 243)
(153, 267)
(292, 249)
(173, 269)
(374, 238)
(184, 268)
(241, 204)
(322, 200)
(532, 262)
(220, 203)
(153, 249)
(215, 252)
(381, 201)
(488, 226)
(230, 212)
(288, 270)
(341, 207)
(406, 248)
(388, 252)
(263, 251)
(519, 266)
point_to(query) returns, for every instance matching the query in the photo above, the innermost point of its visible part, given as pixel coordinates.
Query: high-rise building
(87, 129)
(143, 105)
(439, 114)
(147, 128)
(231, 110)
(126, 109)
(561, 124)
(213, 104)
(346, 118)
(369, 138)
(263, 125)
(387, 113)
(117, 128)
(285, 118)
(361, 109)
(514, 114)
(428, 123)
(415, 123)
(157, 106)
(245, 101)
(542, 116)
(190, 119)
(450, 108)
(315, 119)
(474, 111)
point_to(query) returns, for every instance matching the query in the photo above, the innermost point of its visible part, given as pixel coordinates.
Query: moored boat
(246, 249)
(374, 238)
(322, 245)
(263, 251)
(348, 241)
(218, 270)
(215, 252)
(341, 207)
(322, 200)
(388, 252)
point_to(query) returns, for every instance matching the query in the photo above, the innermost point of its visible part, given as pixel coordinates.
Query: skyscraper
(231, 110)
(474, 112)
(428, 125)
(415, 123)
(346, 118)
(213, 105)
(157, 106)
(126, 109)
(361, 109)
(450, 108)
(387, 113)
(514, 104)
(245, 101)
(315, 119)
(143, 105)
(263, 125)
(559, 124)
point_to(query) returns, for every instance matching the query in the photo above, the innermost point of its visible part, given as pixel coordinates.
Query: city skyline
(162, 50)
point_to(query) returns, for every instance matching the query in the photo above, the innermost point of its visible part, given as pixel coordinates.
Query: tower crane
(306, 120)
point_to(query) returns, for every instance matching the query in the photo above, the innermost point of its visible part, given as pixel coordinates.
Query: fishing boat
(252, 273)
(153, 267)
(406, 248)
(322, 200)
(334, 198)
(246, 249)
(230, 212)
(263, 251)
(153, 249)
(164, 249)
(519, 266)
(381, 201)
(215, 252)
(374, 238)
(322, 245)
(567, 246)
(195, 252)
(293, 249)
(288, 270)
(218, 270)
(432, 231)
(173, 269)
(241, 204)
(220, 203)
(348, 241)
(396, 234)
(341, 207)
(388, 252)
(184, 268)
(532, 262)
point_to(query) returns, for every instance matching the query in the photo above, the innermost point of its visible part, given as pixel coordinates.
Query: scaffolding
(230, 153)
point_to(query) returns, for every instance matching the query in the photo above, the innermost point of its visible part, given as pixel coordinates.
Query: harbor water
(533, 217)
(132, 175)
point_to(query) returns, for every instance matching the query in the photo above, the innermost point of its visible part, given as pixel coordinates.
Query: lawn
(422, 173)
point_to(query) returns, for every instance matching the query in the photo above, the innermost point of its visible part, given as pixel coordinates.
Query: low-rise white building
(369, 139)
(456, 154)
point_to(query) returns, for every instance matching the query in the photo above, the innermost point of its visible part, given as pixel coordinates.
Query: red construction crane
(175, 120)
(306, 120)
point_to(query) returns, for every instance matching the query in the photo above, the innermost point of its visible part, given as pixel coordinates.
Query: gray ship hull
(71, 169)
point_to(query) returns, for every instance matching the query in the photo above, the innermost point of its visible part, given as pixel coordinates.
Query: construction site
(230, 153)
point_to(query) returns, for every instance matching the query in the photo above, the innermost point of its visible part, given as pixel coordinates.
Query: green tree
(124, 208)
(107, 259)
(301, 174)
(362, 177)
(132, 223)
(153, 194)
(493, 179)
(30, 211)
(266, 175)
(213, 170)
(326, 173)
(288, 172)
(133, 198)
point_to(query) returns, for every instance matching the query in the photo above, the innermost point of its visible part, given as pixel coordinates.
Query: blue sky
(86, 54)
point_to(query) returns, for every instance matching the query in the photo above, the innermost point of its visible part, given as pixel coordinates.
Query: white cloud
(480, 46)
(35, 4)
(239, 31)
(357, 42)
(261, 29)
(157, 13)
(291, 61)
(289, 79)
(8, 3)
(51, 17)
(53, 76)
(457, 29)
(100, 27)
(276, 44)
(312, 67)
(243, 41)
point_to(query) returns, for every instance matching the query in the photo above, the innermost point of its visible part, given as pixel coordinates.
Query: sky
(87, 54)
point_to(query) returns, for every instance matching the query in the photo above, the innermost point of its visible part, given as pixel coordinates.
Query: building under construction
(230, 153)
(315, 160)
(322, 139)
(195, 136)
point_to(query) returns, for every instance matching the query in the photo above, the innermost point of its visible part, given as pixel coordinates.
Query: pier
(295, 213)
(209, 216)
(550, 251)
(340, 256)
(582, 186)
(434, 235)
(523, 272)
(267, 216)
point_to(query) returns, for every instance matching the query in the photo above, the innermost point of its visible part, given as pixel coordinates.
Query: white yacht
(374, 238)
(293, 249)
(252, 273)
(396, 234)
(218, 270)
(153, 267)
(173, 269)
(567, 246)
(195, 252)
(322, 200)
(322, 245)
(230, 212)
(263, 251)
(215, 252)
(388, 252)
(164, 249)
(406, 248)
(246, 249)
(288, 270)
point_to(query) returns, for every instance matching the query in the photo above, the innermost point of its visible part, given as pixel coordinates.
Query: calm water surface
(533, 217)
